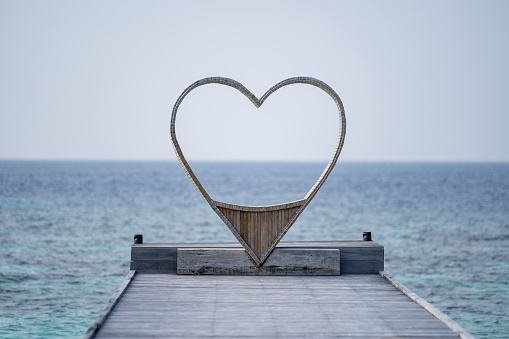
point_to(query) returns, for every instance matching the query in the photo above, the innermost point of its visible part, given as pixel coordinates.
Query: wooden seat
(260, 227)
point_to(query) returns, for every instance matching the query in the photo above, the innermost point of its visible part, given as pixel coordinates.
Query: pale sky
(420, 80)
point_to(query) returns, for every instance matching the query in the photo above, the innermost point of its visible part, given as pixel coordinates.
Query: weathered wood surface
(282, 261)
(259, 227)
(346, 306)
(357, 257)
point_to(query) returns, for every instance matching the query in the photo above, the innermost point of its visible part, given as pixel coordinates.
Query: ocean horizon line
(76, 160)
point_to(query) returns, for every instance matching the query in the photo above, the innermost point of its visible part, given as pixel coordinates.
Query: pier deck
(348, 306)
(167, 305)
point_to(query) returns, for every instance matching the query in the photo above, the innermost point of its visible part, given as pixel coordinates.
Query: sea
(66, 228)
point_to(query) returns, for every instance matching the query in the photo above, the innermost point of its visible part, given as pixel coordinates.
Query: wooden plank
(250, 236)
(288, 261)
(285, 217)
(255, 227)
(280, 221)
(244, 222)
(346, 306)
(236, 221)
(273, 226)
(229, 216)
(265, 240)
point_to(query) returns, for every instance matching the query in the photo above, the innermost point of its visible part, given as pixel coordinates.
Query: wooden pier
(155, 302)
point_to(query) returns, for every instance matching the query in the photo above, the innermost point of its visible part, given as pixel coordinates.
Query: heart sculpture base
(357, 256)
(260, 228)
(235, 261)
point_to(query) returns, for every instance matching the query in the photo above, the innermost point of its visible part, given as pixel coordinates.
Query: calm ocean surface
(67, 227)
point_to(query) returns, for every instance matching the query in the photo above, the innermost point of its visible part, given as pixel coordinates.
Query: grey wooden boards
(235, 261)
(357, 257)
(229, 306)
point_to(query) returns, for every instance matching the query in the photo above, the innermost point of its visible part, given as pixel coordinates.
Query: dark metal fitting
(366, 236)
(138, 238)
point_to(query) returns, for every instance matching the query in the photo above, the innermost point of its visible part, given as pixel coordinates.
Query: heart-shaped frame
(260, 228)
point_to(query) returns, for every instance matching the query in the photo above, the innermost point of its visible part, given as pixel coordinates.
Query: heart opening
(296, 127)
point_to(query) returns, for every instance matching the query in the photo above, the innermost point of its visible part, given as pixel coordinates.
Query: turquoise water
(67, 228)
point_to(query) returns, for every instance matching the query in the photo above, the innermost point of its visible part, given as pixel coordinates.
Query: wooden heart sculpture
(260, 228)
